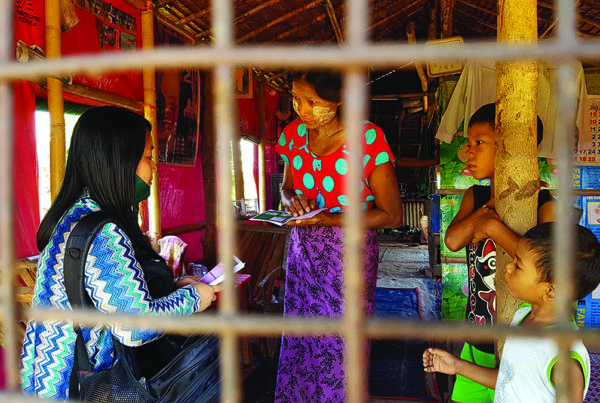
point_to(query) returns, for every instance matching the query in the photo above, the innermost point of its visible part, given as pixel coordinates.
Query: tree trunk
(516, 173)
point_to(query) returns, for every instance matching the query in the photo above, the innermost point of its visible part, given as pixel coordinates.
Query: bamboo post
(517, 177)
(149, 78)
(446, 14)
(238, 172)
(262, 176)
(56, 105)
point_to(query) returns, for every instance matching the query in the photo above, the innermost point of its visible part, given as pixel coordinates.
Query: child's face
(481, 150)
(522, 275)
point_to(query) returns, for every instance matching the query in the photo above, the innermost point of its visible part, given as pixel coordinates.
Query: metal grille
(353, 58)
(412, 211)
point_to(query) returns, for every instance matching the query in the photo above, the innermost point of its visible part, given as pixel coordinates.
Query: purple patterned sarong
(311, 369)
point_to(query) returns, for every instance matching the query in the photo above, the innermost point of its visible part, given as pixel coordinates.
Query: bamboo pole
(262, 176)
(517, 177)
(287, 16)
(149, 78)
(56, 105)
(334, 22)
(410, 33)
(446, 13)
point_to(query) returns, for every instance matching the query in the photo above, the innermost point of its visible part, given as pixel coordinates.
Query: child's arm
(460, 230)
(488, 225)
(436, 360)
(576, 381)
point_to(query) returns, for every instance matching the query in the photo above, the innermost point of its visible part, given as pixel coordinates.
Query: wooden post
(517, 177)
(56, 105)
(149, 78)
(209, 238)
(262, 176)
(446, 7)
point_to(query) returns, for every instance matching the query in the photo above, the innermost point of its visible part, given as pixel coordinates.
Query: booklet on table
(281, 217)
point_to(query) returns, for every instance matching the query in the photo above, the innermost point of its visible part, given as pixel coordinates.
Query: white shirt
(477, 87)
(526, 367)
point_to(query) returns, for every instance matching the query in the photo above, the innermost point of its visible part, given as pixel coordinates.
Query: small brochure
(278, 217)
(217, 276)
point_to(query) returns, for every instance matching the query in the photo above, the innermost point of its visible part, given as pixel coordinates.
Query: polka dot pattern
(328, 183)
(370, 136)
(302, 130)
(321, 178)
(382, 158)
(341, 166)
(282, 139)
(308, 181)
(297, 162)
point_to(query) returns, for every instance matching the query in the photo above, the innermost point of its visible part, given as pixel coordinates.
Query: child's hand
(436, 360)
(482, 227)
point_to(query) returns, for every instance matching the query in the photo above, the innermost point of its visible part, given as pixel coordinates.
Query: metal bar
(7, 245)
(566, 17)
(376, 55)
(224, 118)
(355, 97)
(563, 237)
(261, 325)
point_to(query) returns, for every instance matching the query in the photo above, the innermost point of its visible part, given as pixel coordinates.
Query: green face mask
(142, 189)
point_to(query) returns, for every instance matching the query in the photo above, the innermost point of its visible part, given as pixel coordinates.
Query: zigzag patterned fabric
(115, 282)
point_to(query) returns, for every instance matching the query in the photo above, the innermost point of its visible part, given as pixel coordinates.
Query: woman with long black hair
(109, 169)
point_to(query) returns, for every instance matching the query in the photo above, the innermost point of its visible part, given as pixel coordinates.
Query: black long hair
(106, 148)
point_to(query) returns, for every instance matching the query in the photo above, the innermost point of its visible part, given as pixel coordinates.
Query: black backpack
(191, 376)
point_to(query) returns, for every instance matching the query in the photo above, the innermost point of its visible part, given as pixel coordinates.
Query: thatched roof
(322, 21)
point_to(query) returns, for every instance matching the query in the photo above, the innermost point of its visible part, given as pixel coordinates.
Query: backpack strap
(78, 245)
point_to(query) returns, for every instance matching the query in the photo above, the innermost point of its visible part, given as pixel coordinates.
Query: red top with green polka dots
(322, 178)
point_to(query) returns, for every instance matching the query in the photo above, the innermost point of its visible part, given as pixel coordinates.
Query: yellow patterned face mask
(321, 114)
(324, 114)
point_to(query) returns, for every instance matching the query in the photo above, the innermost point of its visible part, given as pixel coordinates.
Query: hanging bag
(192, 376)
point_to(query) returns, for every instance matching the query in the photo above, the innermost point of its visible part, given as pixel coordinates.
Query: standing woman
(109, 169)
(314, 149)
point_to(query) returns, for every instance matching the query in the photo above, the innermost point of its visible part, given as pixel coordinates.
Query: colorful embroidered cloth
(114, 281)
(311, 369)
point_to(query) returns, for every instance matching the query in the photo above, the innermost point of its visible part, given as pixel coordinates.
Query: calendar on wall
(590, 155)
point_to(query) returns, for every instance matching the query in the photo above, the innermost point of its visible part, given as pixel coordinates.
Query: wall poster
(590, 155)
(178, 115)
(116, 28)
(178, 109)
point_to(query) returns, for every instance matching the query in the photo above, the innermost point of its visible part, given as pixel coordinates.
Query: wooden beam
(334, 22)
(138, 4)
(56, 105)
(580, 18)
(289, 15)
(299, 27)
(473, 6)
(149, 82)
(194, 16)
(403, 10)
(446, 7)
(410, 33)
(182, 229)
(477, 20)
(241, 17)
(262, 176)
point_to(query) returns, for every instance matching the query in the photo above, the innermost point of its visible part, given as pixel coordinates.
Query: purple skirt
(311, 369)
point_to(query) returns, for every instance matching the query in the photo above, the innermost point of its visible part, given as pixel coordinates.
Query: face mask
(142, 189)
(323, 114)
